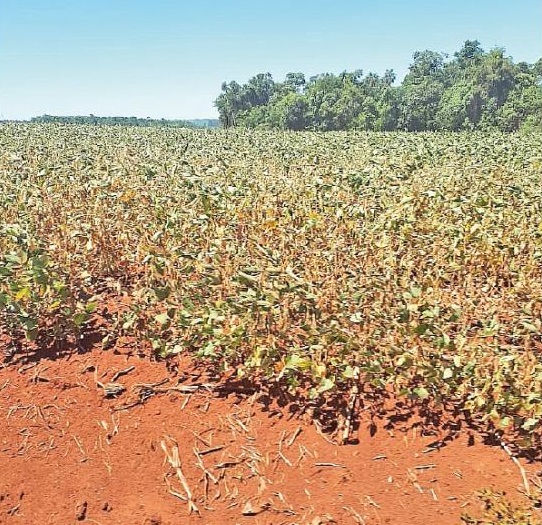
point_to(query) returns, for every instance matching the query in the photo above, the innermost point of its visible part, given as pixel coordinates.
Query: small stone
(249, 510)
(81, 511)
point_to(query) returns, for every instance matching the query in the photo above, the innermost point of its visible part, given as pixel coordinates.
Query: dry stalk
(228, 464)
(79, 446)
(198, 436)
(425, 467)
(354, 394)
(280, 453)
(506, 448)
(372, 501)
(236, 421)
(319, 429)
(296, 433)
(185, 401)
(200, 464)
(15, 408)
(173, 458)
(186, 389)
(303, 451)
(327, 464)
(357, 517)
(122, 373)
(210, 450)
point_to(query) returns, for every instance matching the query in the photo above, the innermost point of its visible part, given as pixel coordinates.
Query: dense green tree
(474, 89)
(295, 82)
(259, 89)
(523, 104)
(469, 54)
(421, 92)
(457, 108)
(229, 103)
(290, 112)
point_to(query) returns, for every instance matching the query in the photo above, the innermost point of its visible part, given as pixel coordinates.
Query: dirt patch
(108, 438)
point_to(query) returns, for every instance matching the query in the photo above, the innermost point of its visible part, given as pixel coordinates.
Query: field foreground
(69, 455)
(254, 327)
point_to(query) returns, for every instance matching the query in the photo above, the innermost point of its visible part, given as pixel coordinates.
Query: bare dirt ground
(174, 448)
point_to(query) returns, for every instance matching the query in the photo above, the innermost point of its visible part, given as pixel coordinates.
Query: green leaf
(348, 372)
(447, 374)
(31, 335)
(505, 422)
(12, 258)
(30, 323)
(421, 392)
(415, 292)
(4, 299)
(529, 327)
(325, 385)
(91, 307)
(421, 329)
(5, 272)
(356, 318)
(162, 319)
(530, 424)
(80, 318)
(162, 293)
(23, 293)
(296, 362)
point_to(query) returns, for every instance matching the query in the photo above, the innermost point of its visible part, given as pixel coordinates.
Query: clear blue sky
(168, 58)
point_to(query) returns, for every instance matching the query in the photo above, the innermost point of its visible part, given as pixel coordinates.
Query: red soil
(68, 455)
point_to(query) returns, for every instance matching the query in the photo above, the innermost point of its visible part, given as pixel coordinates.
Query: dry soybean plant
(403, 263)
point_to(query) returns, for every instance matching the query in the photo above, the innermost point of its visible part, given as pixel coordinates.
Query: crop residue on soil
(69, 454)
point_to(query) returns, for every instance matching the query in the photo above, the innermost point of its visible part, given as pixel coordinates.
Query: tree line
(474, 89)
(127, 121)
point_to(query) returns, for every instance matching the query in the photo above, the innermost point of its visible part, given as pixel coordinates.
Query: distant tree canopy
(127, 121)
(473, 90)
